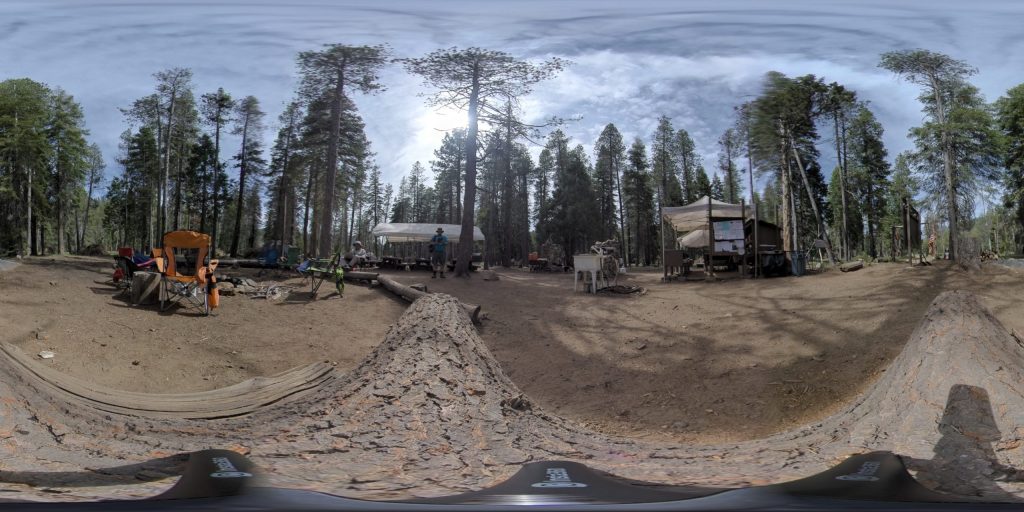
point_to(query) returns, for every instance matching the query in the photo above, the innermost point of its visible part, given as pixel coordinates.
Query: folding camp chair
(125, 267)
(197, 289)
(269, 261)
(318, 270)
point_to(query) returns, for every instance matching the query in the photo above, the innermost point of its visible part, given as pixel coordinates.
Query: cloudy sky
(632, 61)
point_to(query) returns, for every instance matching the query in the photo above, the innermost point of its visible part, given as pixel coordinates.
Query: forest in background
(318, 185)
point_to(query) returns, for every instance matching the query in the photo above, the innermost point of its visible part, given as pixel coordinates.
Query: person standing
(438, 244)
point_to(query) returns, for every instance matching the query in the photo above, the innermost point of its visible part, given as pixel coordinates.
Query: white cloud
(692, 61)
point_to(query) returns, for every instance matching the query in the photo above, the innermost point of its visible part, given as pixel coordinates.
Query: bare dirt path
(67, 305)
(695, 361)
(711, 362)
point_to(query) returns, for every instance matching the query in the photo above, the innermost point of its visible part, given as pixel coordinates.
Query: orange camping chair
(193, 283)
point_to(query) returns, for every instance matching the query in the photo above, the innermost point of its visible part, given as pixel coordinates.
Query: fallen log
(851, 266)
(361, 276)
(410, 294)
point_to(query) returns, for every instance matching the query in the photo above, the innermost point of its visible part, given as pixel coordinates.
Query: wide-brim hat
(439, 230)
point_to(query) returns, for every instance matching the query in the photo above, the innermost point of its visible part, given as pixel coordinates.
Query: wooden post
(661, 232)
(757, 247)
(709, 266)
(743, 222)
(910, 246)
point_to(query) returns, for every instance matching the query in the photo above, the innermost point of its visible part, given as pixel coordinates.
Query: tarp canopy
(422, 232)
(695, 239)
(695, 215)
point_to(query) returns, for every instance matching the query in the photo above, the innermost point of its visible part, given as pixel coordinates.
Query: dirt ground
(687, 361)
(712, 361)
(68, 305)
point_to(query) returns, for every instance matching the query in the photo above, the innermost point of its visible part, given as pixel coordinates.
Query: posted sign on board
(729, 230)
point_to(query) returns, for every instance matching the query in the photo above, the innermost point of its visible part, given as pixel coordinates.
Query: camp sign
(729, 230)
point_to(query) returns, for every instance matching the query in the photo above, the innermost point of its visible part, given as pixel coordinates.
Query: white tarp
(422, 232)
(698, 239)
(695, 239)
(695, 215)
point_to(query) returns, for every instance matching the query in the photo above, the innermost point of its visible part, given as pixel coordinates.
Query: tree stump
(145, 288)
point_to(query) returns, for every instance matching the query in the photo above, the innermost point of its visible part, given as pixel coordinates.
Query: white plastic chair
(590, 263)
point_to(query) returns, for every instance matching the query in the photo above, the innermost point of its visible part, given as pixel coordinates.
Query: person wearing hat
(358, 255)
(438, 243)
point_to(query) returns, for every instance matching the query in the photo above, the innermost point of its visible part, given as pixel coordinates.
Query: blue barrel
(799, 263)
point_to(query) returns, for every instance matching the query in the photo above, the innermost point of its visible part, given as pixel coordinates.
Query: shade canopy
(695, 215)
(695, 239)
(422, 232)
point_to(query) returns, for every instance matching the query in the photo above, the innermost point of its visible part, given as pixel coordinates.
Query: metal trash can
(799, 263)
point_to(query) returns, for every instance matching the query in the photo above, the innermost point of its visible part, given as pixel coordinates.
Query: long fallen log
(410, 294)
(851, 266)
(361, 276)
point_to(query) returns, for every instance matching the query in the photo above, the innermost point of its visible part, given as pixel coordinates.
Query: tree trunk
(872, 250)
(177, 186)
(352, 235)
(88, 206)
(252, 226)
(30, 246)
(524, 203)
(285, 185)
(314, 226)
(167, 160)
(465, 254)
(622, 215)
(327, 215)
(755, 206)
(506, 193)
(305, 215)
(787, 221)
(203, 206)
(411, 294)
(844, 232)
(458, 191)
(244, 158)
(59, 192)
(216, 184)
(947, 164)
(813, 203)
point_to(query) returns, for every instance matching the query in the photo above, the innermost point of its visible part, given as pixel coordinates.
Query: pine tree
(869, 170)
(283, 175)
(448, 166)
(329, 75)
(573, 204)
(701, 183)
(717, 189)
(609, 152)
(216, 109)
(943, 79)
(482, 81)
(688, 160)
(638, 191)
(663, 164)
(248, 125)
(729, 144)
(1010, 118)
(66, 134)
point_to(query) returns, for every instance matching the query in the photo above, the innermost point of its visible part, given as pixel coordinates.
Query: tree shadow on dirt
(156, 469)
(704, 393)
(965, 461)
(86, 265)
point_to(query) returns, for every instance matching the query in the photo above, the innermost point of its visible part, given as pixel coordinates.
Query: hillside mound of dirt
(430, 412)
